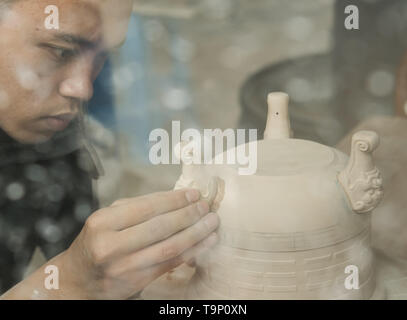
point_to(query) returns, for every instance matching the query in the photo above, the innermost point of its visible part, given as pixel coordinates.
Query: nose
(78, 84)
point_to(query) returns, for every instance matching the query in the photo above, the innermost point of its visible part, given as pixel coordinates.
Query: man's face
(45, 75)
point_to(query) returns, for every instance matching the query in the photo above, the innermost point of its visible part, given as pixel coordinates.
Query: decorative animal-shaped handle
(361, 179)
(212, 192)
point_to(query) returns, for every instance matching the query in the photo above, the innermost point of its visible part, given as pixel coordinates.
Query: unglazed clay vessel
(290, 230)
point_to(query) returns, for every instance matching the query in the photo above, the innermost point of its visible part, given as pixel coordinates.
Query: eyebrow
(75, 40)
(81, 41)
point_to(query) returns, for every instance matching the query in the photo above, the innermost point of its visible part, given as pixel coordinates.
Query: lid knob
(278, 120)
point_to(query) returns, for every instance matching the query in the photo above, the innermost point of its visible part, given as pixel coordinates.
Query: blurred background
(211, 63)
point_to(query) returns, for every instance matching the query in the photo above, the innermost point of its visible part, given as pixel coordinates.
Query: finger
(159, 228)
(120, 202)
(199, 249)
(140, 279)
(149, 274)
(204, 246)
(131, 212)
(191, 263)
(175, 245)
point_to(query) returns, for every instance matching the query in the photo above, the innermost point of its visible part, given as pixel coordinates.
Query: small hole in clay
(276, 113)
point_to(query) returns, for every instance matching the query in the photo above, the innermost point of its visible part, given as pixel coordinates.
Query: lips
(59, 122)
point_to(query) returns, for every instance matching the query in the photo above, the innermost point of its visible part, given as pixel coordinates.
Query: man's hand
(124, 247)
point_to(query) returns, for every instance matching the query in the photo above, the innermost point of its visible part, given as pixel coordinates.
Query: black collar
(62, 143)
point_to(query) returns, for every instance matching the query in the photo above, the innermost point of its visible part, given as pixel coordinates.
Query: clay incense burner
(291, 230)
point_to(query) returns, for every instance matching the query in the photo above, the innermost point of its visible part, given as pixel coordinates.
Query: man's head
(46, 74)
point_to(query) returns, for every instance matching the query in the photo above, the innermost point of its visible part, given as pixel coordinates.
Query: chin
(34, 138)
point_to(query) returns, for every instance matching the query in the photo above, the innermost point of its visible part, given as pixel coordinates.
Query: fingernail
(191, 263)
(211, 221)
(192, 195)
(203, 207)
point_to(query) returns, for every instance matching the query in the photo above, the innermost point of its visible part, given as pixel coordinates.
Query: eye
(60, 54)
(63, 53)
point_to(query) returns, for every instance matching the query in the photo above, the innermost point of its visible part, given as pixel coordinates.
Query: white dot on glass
(82, 211)
(299, 89)
(49, 231)
(183, 50)
(36, 173)
(27, 77)
(15, 191)
(298, 28)
(35, 294)
(380, 83)
(154, 30)
(176, 99)
(55, 193)
(123, 78)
